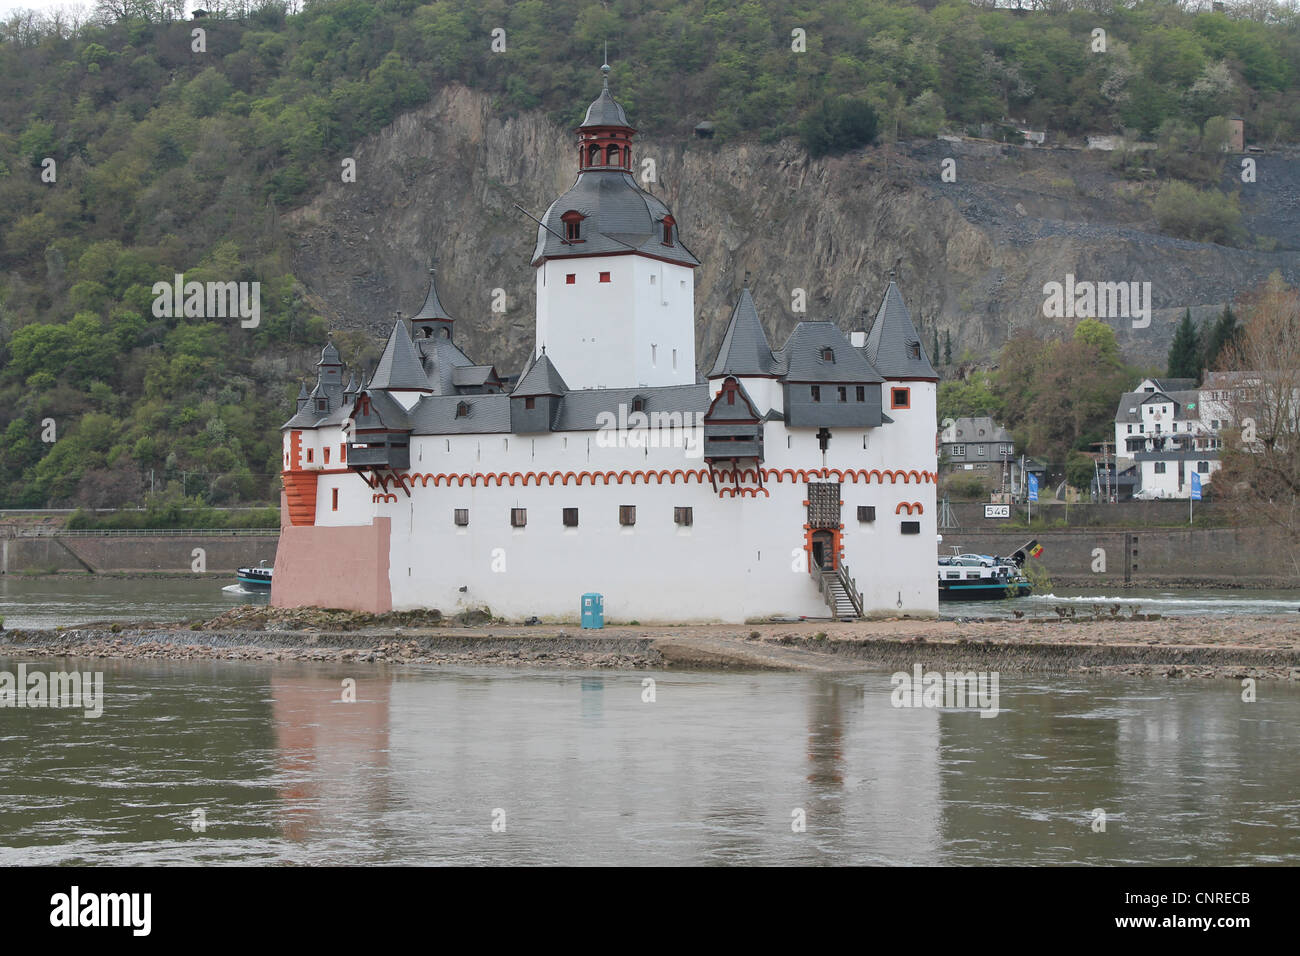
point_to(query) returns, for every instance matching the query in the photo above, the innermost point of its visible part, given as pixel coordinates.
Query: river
(223, 763)
(56, 600)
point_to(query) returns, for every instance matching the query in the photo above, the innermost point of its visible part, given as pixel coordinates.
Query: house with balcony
(1167, 430)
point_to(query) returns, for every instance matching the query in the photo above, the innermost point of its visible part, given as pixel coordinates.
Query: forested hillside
(170, 160)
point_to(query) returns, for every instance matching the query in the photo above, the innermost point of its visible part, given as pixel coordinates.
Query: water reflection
(574, 768)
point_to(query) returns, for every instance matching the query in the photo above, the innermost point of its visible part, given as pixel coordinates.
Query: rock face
(973, 254)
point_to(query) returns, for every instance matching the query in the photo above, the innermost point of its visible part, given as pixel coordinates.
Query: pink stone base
(333, 567)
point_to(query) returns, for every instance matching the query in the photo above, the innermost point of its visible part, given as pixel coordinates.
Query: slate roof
(800, 359)
(440, 358)
(618, 216)
(604, 110)
(745, 349)
(893, 340)
(329, 355)
(471, 376)
(967, 430)
(400, 365)
(541, 378)
(432, 308)
(579, 410)
(1135, 401)
(436, 414)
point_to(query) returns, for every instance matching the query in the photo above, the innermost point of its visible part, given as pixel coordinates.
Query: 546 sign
(997, 511)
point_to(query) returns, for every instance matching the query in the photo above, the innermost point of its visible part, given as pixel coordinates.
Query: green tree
(1185, 350)
(1222, 336)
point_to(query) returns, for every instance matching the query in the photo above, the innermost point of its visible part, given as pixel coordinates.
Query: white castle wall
(742, 558)
(622, 333)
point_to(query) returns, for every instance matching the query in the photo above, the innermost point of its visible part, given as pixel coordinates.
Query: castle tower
(615, 284)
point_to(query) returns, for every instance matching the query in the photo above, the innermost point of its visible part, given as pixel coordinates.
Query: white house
(784, 482)
(1169, 429)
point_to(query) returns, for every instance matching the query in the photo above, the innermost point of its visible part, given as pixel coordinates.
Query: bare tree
(1259, 386)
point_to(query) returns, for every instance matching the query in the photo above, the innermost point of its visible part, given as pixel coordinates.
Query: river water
(51, 601)
(580, 768)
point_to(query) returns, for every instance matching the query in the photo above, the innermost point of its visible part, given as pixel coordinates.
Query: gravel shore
(1265, 647)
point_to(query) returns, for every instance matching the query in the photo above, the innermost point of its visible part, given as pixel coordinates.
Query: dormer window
(638, 404)
(914, 350)
(572, 225)
(828, 355)
(668, 222)
(462, 409)
(322, 405)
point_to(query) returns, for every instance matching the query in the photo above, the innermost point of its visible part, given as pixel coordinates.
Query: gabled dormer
(536, 399)
(733, 428)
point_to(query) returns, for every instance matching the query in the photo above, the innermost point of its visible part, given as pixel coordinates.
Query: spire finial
(604, 67)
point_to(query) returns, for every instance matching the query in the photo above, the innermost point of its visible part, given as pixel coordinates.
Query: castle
(788, 482)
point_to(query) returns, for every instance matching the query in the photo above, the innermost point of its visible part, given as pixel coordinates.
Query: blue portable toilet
(593, 611)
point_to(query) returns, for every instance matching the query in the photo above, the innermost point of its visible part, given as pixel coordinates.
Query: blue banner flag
(1196, 487)
(1033, 487)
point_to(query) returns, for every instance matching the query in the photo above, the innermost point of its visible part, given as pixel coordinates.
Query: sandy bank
(1263, 647)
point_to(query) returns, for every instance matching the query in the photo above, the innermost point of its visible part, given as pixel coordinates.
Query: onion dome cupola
(605, 211)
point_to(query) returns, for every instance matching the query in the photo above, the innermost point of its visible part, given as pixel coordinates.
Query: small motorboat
(255, 579)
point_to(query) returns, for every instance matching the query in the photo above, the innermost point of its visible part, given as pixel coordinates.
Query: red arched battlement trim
(375, 499)
(914, 506)
(752, 492)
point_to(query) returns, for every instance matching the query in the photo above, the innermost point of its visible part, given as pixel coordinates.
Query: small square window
(461, 517)
(900, 398)
(570, 517)
(627, 515)
(604, 277)
(570, 279)
(911, 527)
(828, 355)
(530, 402)
(683, 516)
(816, 393)
(866, 512)
(518, 517)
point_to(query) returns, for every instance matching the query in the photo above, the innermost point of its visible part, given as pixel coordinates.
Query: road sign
(997, 511)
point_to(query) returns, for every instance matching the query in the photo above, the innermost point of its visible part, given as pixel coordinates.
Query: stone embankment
(1261, 647)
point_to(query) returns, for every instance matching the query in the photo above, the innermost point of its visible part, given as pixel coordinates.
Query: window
(843, 393)
(816, 393)
(669, 222)
(914, 350)
(572, 225)
(461, 517)
(570, 517)
(683, 516)
(530, 402)
(343, 452)
(900, 398)
(1159, 468)
(570, 279)
(862, 393)
(981, 449)
(1203, 467)
(866, 512)
(518, 517)
(322, 405)
(828, 355)
(327, 456)
(1130, 429)
(638, 403)
(911, 527)
(334, 499)
(611, 156)
(604, 277)
(462, 409)
(626, 515)
(959, 451)
(309, 454)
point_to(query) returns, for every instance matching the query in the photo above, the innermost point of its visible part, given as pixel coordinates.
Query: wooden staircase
(840, 593)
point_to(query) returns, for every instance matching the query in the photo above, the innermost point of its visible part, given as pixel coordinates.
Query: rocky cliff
(973, 254)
